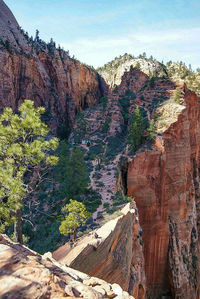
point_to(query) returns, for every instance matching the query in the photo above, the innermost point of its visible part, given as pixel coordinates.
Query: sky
(98, 31)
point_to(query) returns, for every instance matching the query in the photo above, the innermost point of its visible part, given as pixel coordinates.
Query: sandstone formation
(40, 72)
(151, 255)
(113, 253)
(10, 30)
(26, 274)
(114, 71)
(165, 184)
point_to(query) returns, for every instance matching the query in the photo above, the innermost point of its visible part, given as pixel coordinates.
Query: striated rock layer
(164, 182)
(26, 274)
(64, 86)
(113, 253)
(46, 75)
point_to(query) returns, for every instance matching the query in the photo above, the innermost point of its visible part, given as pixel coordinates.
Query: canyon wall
(164, 182)
(113, 253)
(62, 85)
(38, 71)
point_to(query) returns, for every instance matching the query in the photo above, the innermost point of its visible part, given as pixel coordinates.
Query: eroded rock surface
(113, 253)
(165, 184)
(48, 76)
(113, 71)
(26, 274)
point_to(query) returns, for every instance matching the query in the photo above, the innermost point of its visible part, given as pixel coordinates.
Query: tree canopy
(136, 130)
(75, 177)
(25, 151)
(76, 215)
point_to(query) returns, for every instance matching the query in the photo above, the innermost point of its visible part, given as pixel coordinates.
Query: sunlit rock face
(113, 72)
(113, 253)
(165, 184)
(50, 78)
(26, 274)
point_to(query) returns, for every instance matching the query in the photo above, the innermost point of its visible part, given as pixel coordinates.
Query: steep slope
(179, 71)
(104, 129)
(112, 252)
(26, 274)
(113, 71)
(162, 177)
(165, 184)
(38, 71)
(9, 30)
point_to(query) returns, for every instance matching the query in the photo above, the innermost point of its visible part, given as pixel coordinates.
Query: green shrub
(104, 101)
(106, 125)
(106, 205)
(136, 137)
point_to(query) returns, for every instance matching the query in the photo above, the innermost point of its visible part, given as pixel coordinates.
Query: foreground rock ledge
(113, 252)
(26, 274)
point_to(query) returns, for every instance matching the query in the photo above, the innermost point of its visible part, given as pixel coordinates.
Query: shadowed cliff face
(62, 85)
(28, 70)
(165, 184)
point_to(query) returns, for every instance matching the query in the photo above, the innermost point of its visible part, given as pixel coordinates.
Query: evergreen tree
(37, 39)
(152, 129)
(144, 55)
(76, 215)
(136, 130)
(76, 176)
(24, 154)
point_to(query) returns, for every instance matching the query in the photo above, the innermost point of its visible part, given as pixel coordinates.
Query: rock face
(26, 274)
(114, 70)
(10, 30)
(48, 76)
(113, 253)
(164, 182)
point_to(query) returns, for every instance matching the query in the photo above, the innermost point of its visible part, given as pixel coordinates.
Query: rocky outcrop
(26, 274)
(10, 30)
(165, 184)
(113, 71)
(64, 86)
(46, 75)
(113, 253)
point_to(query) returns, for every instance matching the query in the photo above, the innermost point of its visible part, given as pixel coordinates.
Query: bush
(118, 199)
(106, 205)
(92, 200)
(115, 144)
(152, 82)
(106, 125)
(177, 95)
(104, 101)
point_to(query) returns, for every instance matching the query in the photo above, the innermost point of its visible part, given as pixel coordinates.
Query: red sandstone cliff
(165, 184)
(50, 78)
(113, 253)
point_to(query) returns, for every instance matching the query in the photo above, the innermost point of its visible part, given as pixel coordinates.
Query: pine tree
(76, 176)
(152, 129)
(24, 154)
(76, 215)
(136, 130)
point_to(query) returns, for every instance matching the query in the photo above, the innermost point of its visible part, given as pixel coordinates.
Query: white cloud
(178, 44)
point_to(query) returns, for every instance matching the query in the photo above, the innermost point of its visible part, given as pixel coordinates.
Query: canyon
(49, 77)
(150, 249)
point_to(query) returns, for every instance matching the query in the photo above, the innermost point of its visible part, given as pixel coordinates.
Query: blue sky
(97, 31)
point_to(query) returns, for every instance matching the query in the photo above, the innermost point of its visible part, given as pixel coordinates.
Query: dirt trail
(110, 184)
